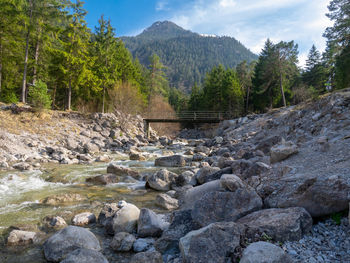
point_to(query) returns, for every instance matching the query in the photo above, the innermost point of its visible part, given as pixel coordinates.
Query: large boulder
(149, 224)
(237, 201)
(161, 180)
(148, 256)
(192, 195)
(203, 174)
(181, 224)
(319, 194)
(118, 170)
(65, 241)
(125, 219)
(170, 161)
(263, 252)
(21, 238)
(83, 255)
(122, 241)
(213, 243)
(282, 151)
(279, 224)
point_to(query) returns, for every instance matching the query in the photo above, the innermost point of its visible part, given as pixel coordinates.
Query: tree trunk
(35, 70)
(247, 100)
(0, 65)
(54, 96)
(281, 86)
(24, 80)
(103, 99)
(69, 95)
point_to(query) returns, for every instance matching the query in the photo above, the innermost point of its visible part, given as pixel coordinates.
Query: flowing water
(21, 194)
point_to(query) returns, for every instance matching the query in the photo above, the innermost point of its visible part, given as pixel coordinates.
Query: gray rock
(161, 180)
(279, 224)
(231, 182)
(136, 156)
(54, 222)
(170, 161)
(83, 255)
(225, 206)
(21, 238)
(118, 170)
(65, 241)
(125, 219)
(91, 148)
(202, 149)
(167, 202)
(263, 252)
(282, 151)
(22, 166)
(181, 224)
(142, 244)
(213, 243)
(319, 194)
(149, 257)
(198, 157)
(204, 174)
(83, 219)
(122, 241)
(103, 179)
(266, 144)
(4, 165)
(107, 213)
(149, 224)
(225, 162)
(187, 177)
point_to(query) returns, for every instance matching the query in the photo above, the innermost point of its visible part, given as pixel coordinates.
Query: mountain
(187, 56)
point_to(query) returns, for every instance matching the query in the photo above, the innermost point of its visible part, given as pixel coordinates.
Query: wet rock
(149, 257)
(118, 170)
(265, 253)
(64, 198)
(136, 156)
(83, 255)
(65, 241)
(170, 161)
(282, 151)
(181, 224)
(161, 180)
(167, 202)
(122, 242)
(319, 194)
(83, 219)
(103, 179)
(149, 224)
(125, 219)
(279, 224)
(225, 206)
(213, 243)
(23, 166)
(21, 238)
(142, 244)
(204, 174)
(54, 222)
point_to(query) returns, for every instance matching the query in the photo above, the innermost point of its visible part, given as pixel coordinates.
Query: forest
(49, 58)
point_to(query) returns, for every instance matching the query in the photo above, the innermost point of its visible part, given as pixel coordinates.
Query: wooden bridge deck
(187, 117)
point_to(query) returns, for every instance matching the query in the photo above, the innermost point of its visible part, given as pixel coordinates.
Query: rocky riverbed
(267, 188)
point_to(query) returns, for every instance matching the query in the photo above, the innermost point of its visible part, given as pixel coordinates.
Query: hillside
(188, 56)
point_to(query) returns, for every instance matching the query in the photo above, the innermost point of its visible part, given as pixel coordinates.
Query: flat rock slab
(279, 224)
(213, 243)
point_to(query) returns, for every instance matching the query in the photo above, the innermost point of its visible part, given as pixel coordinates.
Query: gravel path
(327, 243)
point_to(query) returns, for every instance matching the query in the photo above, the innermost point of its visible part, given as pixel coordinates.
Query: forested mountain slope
(188, 56)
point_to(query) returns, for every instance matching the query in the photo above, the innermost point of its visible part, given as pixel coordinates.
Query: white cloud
(253, 21)
(162, 5)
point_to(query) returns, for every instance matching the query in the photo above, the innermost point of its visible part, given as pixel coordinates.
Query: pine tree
(158, 81)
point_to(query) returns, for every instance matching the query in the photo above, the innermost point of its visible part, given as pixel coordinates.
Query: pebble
(326, 243)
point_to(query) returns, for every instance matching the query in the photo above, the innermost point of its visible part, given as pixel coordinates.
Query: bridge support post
(146, 128)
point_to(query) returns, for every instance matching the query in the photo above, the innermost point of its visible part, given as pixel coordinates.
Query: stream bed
(21, 195)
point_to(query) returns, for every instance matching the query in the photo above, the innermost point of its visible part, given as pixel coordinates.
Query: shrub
(38, 96)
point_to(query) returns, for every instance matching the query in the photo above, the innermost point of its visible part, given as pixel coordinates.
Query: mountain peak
(164, 30)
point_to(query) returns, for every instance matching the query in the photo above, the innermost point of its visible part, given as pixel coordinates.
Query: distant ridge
(188, 56)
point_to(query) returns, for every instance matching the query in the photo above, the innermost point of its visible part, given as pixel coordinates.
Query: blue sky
(249, 21)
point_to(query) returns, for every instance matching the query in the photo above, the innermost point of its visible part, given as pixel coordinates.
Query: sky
(249, 21)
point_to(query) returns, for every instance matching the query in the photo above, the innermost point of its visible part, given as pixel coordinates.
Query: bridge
(188, 117)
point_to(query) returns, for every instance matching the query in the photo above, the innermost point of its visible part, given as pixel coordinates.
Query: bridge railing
(193, 115)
